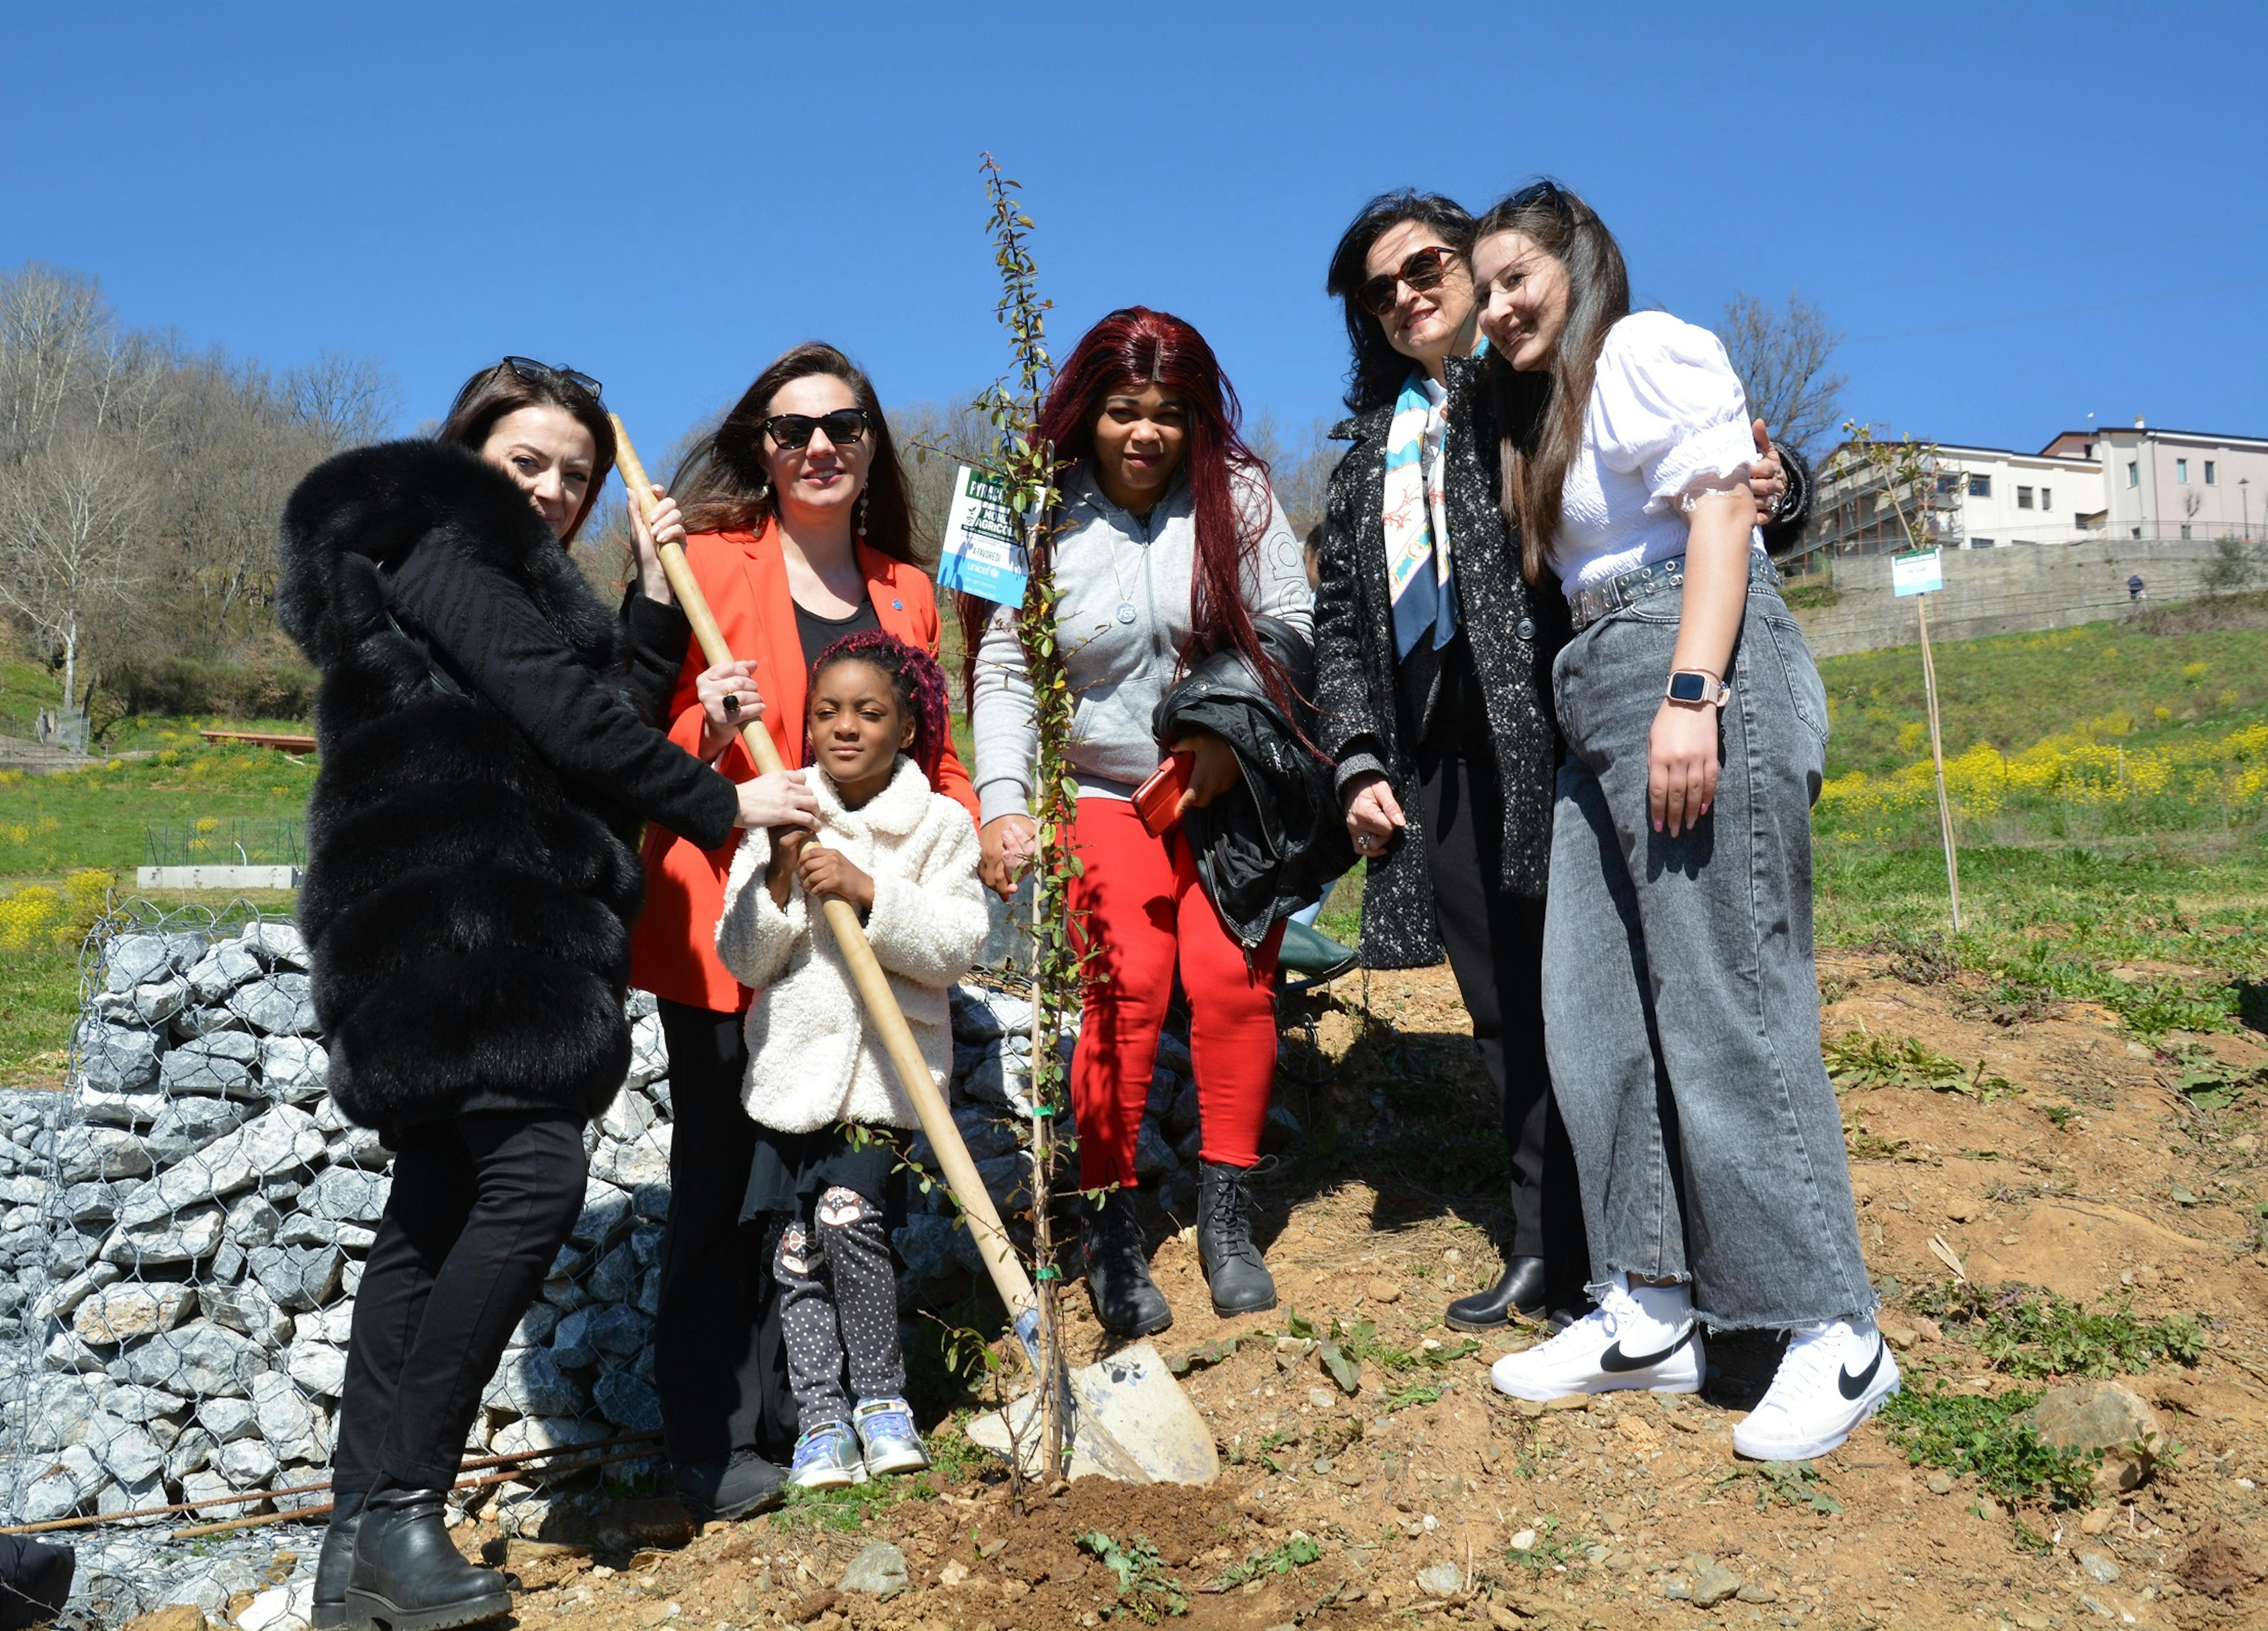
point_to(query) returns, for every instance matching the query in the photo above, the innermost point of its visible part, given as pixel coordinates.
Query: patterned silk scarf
(1418, 579)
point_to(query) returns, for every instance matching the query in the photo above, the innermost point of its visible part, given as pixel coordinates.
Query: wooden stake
(1937, 753)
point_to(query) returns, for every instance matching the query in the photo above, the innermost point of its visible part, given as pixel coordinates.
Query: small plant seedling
(1296, 1552)
(2034, 1335)
(1146, 1588)
(1989, 1440)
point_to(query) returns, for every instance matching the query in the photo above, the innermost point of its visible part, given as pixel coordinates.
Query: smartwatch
(1697, 685)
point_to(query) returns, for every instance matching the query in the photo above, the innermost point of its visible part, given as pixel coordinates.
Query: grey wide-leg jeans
(1681, 1003)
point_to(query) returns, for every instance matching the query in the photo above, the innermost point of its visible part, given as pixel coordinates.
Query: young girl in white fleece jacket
(905, 856)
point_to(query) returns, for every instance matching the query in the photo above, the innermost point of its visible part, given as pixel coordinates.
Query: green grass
(2034, 1335)
(2016, 689)
(1987, 1438)
(52, 825)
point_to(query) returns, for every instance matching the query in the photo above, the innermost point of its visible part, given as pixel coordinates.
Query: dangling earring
(858, 516)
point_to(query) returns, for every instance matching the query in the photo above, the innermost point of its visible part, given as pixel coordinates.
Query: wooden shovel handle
(960, 1176)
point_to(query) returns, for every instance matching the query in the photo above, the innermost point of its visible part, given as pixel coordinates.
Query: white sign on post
(1916, 572)
(982, 555)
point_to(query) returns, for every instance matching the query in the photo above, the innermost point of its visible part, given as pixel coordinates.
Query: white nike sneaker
(1589, 1357)
(1832, 1377)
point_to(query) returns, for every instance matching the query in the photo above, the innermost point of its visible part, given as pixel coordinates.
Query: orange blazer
(673, 946)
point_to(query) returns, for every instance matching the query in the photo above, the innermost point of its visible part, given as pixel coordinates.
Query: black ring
(732, 705)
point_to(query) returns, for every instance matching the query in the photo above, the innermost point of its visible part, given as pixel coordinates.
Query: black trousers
(1495, 941)
(480, 1207)
(719, 1357)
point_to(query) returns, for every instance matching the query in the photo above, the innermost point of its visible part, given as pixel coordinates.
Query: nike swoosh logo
(1613, 1360)
(1853, 1386)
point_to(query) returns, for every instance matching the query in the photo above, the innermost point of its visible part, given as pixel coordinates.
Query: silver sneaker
(887, 1432)
(826, 1457)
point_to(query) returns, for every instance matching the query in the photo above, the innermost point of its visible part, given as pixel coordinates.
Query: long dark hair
(501, 389)
(723, 484)
(1374, 377)
(1543, 411)
(1135, 347)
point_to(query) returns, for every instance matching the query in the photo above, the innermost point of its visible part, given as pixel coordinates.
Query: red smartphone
(1158, 801)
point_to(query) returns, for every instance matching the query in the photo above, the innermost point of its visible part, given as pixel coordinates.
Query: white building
(2128, 484)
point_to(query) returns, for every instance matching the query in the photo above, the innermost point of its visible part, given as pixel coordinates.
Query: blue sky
(2019, 214)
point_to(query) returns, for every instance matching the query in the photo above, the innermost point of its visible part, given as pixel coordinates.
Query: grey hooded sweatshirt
(1123, 619)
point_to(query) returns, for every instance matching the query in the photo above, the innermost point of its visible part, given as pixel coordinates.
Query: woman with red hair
(1166, 544)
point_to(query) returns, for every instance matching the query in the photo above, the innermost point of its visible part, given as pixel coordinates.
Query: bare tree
(1300, 466)
(347, 398)
(53, 324)
(934, 439)
(1782, 356)
(70, 520)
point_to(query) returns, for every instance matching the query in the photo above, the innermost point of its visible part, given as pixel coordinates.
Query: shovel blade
(1132, 1423)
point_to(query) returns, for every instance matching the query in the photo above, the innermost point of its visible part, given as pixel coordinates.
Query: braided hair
(915, 680)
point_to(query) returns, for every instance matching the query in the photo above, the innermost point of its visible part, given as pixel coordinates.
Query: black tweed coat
(1514, 629)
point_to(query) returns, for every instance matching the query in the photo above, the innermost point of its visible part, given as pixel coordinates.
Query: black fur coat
(471, 873)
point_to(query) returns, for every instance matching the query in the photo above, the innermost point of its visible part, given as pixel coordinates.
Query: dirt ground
(2097, 1179)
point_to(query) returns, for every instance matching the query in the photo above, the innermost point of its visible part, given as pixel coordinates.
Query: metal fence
(239, 841)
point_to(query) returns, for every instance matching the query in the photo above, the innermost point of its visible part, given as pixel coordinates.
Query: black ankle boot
(731, 1487)
(1521, 1286)
(408, 1573)
(335, 1567)
(1234, 1271)
(1127, 1302)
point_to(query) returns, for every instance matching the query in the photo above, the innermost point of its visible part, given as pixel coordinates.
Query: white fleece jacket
(814, 1059)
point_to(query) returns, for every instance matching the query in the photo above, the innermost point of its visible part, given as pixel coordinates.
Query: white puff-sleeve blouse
(1668, 420)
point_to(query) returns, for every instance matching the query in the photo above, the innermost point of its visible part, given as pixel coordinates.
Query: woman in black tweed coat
(1448, 758)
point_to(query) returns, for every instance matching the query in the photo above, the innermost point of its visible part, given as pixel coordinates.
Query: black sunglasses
(1421, 271)
(844, 427)
(543, 374)
(1535, 193)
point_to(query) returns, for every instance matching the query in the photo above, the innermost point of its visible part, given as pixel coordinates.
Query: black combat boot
(1127, 1302)
(334, 1566)
(1233, 1268)
(409, 1575)
(731, 1488)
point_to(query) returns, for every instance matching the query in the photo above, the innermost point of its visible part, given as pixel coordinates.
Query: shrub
(265, 689)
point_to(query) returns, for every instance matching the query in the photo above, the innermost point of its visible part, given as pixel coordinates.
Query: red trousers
(1142, 905)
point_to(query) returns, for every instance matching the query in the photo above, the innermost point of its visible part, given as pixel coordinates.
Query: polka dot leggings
(839, 1308)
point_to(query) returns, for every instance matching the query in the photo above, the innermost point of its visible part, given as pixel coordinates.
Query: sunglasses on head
(844, 427)
(1421, 271)
(543, 374)
(1544, 193)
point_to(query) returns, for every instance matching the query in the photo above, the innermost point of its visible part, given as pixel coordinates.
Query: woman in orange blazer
(801, 533)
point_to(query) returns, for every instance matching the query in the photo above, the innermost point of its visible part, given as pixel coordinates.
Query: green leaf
(1345, 1369)
(1298, 1324)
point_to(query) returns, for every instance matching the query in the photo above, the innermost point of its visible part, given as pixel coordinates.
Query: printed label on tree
(1917, 571)
(982, 556)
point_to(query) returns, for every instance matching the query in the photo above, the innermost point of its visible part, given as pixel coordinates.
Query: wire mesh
(238, 841)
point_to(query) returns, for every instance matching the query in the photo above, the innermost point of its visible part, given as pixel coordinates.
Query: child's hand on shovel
(828, 872)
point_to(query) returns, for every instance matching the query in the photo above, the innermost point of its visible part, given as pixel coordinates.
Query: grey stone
(645, 1244)
(186, 1125)
(282, 1005)
(629, 1402)
(294, 1068)
(881, 1568)
(1190, 1146)
(116, 1058)
(628, 1116)
(1154, 1157)
(2099, 1568)
(536, 1325)
(530, 1382)
(1181, 1116)
(347, 1194)
(2095, 1415)
(192, 1023)
(130, 1403)
(1444, 1579)
(650, 1202)
(647, 1299)
(973, 1018)
(185, 1237)
(638, 1003)
(615, 1275)
(221, 971)
(605, 1217)
(318, 1367)
(1173, 1053)
(131, 960)
(56, 1410)
(1713, 1584)
(530, 1433)
(159, 1000)
(267, 1146)
(649, 1051)
(925, 1244)
(302, 1230)
(277, 944)
(571, 1347)
(334, 1325)
(131, 1494)
(1281, 1131)
(252, 1221)
(247, 1464)
(201, 1360)
(136, 1109)
(619, 1330)
(354, 1238)
(218, 1062)
(192, 1453)
(642, 1159)
(91, 1203)
(209, 1486)
(298, 1277)
(359, 1146)
(126, 1449)
(59, 1485)
(294, 1430)
(127, 1313)
(247, 1310)
(58, 1300)
(997, 1084)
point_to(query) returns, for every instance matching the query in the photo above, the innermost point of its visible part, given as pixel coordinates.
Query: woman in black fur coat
(469, 889)
(1435, 701)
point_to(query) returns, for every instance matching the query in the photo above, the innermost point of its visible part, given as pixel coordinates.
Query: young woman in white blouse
(1680, 1004)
